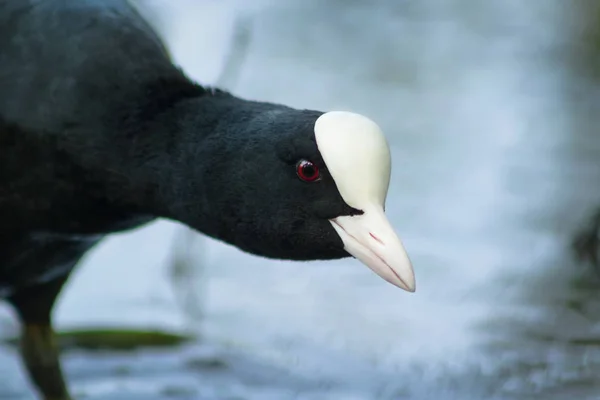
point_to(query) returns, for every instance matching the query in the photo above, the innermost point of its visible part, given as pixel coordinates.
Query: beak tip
(410, 287)
(405, 280)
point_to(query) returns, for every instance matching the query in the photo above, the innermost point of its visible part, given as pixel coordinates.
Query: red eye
(307, 171)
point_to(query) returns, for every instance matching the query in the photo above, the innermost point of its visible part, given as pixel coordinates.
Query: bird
(101, 132)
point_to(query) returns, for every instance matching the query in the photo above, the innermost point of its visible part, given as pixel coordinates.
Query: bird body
(100, 133)
(72, 82)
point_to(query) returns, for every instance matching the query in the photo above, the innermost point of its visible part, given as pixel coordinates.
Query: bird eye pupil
(307, 171)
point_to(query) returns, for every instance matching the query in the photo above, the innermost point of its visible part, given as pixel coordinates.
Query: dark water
(492, 111)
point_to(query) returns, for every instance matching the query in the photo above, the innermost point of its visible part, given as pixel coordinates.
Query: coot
(101, 133)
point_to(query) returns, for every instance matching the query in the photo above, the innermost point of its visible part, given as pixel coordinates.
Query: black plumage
(101, 133)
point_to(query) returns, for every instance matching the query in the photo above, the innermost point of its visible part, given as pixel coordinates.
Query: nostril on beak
(376, 238)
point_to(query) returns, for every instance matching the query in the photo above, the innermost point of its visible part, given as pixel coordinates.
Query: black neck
(163, 156)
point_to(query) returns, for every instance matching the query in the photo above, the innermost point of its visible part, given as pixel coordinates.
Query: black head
(270, 191)
(293, 184)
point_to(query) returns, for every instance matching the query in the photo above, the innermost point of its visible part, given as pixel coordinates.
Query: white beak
(371, 239)
(358, 158)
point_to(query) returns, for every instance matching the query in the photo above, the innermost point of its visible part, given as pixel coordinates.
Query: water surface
(491, 111)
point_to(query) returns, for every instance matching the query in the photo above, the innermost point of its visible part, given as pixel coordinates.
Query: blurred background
(492, 110)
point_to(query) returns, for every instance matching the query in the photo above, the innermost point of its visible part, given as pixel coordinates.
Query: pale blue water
(496, 164)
